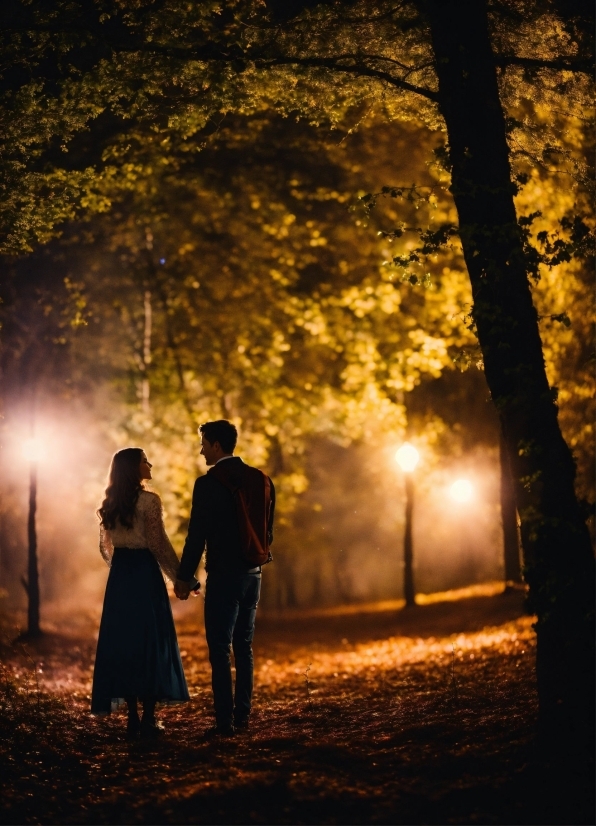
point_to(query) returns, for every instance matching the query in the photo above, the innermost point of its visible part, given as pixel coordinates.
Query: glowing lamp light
(32, 449)
(407, 457)
(461, 491)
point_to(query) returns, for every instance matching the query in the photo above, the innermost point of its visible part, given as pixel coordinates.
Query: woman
(137, 650)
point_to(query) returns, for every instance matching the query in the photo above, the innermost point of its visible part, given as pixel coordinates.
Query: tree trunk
(511, 554)
(409, 589)
(559, 562)
(146, 360)
(32, 587)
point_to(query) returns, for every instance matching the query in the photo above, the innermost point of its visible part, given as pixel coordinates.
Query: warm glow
(407, 457)
(461, 491)
(32, 449)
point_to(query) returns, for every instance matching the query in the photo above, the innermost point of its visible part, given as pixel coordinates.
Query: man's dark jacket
(213, 520)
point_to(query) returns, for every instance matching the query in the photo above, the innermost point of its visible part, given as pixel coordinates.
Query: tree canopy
(153, 125)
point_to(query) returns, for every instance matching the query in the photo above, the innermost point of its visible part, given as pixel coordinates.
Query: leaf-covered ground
(361, 716)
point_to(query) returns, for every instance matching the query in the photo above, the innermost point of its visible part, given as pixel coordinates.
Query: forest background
(284, 259)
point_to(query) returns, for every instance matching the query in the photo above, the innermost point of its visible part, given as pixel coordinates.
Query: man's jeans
(230, 611)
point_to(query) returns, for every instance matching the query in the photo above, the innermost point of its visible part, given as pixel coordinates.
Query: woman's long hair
(124, 487)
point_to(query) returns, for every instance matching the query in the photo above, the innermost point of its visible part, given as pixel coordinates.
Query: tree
(561, 584)
(440, 60)
(511, 549)
(259, 273)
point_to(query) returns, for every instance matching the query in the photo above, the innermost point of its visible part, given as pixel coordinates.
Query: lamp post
(31, 450)
(407, 457)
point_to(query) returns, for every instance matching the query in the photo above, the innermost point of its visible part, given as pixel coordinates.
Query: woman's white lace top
(147, 532)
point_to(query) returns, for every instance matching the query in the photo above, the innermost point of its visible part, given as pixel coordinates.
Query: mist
(346, 541)
(72, 464)
(343, 544)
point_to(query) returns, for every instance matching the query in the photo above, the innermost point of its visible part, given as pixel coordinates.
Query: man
(224, 504)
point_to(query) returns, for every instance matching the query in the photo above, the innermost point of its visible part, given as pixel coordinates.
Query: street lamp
(407, 457)
(31, 452)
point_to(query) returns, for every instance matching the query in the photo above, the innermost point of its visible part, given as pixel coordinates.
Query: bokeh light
(407, 457)
(461, 490)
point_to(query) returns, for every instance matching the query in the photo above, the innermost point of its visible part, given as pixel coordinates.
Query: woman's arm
(157, 538)
(106, 547)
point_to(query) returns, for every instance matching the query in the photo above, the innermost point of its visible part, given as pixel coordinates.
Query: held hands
(182, 589)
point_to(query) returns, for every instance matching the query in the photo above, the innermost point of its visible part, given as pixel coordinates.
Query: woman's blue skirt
(137, 650)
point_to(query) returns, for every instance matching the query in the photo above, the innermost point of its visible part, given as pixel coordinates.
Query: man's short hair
(221, 431)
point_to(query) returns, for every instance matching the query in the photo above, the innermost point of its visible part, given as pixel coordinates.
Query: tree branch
(561, 64)
(211, 53)
(382, 58)
(360, 71)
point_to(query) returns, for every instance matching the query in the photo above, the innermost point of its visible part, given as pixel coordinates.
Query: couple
(137, 650)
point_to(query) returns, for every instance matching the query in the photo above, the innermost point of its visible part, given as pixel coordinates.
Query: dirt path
(377, 716)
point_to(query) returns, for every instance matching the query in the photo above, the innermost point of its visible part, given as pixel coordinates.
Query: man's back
(232, 512)
(214, 520)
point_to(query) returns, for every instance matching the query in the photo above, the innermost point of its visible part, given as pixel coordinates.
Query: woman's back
(147, 531)
(136, 537)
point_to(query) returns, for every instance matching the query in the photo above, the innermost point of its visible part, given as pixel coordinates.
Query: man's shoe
(133, 727)
(219, 731)
(151, 729)
(242, 725)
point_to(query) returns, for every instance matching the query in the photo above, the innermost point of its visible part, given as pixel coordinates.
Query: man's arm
(197, 533)
(271, 513)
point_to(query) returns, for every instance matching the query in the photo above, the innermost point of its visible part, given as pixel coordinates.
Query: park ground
(366, 714)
